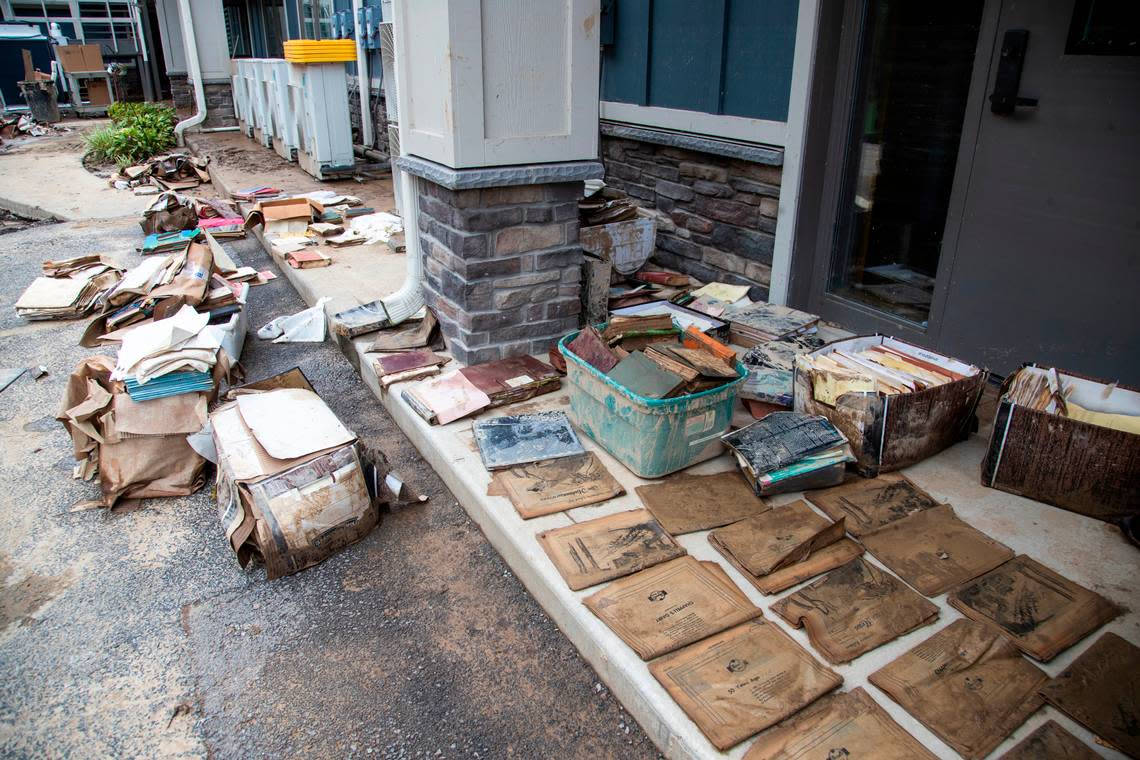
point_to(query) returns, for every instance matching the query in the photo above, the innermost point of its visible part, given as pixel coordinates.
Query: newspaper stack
(69, 289)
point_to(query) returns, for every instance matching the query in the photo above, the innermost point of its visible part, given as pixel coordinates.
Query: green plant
(101, 143)
(122, 113)
(137, 132)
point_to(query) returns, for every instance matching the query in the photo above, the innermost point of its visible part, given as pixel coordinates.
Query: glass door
(904, 123)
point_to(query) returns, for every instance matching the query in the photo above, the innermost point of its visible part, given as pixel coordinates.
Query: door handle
(1004, 98)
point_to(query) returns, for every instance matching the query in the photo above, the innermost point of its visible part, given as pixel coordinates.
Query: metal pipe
(363, 83)
(193, 70)
(365, 152)
(207, 130)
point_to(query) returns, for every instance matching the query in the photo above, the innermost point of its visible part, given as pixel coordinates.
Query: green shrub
(137, 132)
(122, 114)
(101, 143)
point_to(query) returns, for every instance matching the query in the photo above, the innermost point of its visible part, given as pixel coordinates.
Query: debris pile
(25, 126)
(171, 171)
(174, 212)
(297, 227)
(654, 381)
(294, 484)
(69, 288)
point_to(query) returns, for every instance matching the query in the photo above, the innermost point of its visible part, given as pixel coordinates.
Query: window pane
(914, 78)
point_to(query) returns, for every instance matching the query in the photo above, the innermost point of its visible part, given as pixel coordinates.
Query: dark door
(1002, 237)
(1047, 259)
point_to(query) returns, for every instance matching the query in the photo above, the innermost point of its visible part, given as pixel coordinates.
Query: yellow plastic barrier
(320, 51)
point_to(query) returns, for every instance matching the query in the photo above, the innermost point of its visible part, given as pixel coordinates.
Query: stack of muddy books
(634, 332)
(478, 387)
(662, 368)
(789, 451)
(518, 378)
(762, 322)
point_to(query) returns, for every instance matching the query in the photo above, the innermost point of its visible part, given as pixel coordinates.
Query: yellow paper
(722, 291)
(1126, 422)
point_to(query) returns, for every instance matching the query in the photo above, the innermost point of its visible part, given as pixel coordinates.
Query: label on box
(700, 423)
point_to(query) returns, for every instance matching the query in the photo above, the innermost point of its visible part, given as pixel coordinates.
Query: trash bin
(41, 99)
(652, 437)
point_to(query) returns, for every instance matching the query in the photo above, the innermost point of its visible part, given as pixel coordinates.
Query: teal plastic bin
(652, 437)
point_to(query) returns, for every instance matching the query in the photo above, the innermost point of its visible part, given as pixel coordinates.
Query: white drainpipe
(193, 70)
(363, 84)
(410, 297)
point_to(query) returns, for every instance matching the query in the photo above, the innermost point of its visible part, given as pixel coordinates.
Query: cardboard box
(77, 58)
(284, 215)
(1079, 466)
(891, 432)
(291, 482)
(98, 92)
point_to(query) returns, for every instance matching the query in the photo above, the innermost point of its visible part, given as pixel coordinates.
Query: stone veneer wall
(502, 266)
(718, 215)
(219, 100)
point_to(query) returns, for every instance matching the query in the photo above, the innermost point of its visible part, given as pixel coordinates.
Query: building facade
(958, 175)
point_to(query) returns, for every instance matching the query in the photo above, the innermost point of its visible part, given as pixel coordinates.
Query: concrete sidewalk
(1085, 550)
(44, 178)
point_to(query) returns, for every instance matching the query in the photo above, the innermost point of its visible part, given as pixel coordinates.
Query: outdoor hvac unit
(300, 110)
(498, 82)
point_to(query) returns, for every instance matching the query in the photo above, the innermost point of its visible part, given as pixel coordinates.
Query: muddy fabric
(1099, 691)
(556, 485)
(739, 682)
(849, 726)
(854, 609)
(777, 538)
(688, 503)
(934, 551)
(590, 552)
(967, 684)
(1048, 742)
(1041, 612)
(871, 503)
(671, 605)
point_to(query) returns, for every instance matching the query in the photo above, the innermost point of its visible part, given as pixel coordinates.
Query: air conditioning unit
(300, 110)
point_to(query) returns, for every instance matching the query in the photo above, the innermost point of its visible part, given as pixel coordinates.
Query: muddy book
(740, 682)
(1099, 691)
(524, 438)
(688, 503)
(868, 504)
(967, 684)
(849, 726)
(854, 609)
(777, 538)
(755, 539)
(1041, 612)
(542, 488)
(1050, 741)
(518, 378)
(668, 606)
(594, 551)
(934, 551)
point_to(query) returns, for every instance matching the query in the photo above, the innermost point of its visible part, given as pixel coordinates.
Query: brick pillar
(502, 266)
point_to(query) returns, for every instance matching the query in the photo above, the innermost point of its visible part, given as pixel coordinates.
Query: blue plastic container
(652, 437)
